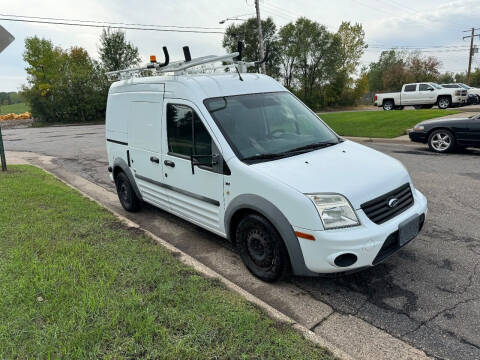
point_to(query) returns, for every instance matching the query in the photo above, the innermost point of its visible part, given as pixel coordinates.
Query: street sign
(5, 38)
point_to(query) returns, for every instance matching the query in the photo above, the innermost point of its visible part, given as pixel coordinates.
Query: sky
(433, 26)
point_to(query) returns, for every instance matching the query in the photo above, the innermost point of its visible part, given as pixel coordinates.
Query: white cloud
(388, 23)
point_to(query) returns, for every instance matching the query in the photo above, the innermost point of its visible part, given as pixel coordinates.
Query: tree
(247, 32)
(352, 38)
(395, 68)
(421, 68)
(461, 77)
(388, 73)
(288, 55)
(63, 85)
(475, 78)
(116, 53)
(318, 56)
(446, 78)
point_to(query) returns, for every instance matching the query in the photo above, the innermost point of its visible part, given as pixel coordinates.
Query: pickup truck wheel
(126, 195)
(444, 102)
(388, 105)
(261, 248)
(441, 141)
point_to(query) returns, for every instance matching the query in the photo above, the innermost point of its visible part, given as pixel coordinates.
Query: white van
(241, 156)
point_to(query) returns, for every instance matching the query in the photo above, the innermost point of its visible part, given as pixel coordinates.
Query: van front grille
(389, 205)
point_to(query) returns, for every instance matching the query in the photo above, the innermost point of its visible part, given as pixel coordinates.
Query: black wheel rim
(259, 249)
(123, 193)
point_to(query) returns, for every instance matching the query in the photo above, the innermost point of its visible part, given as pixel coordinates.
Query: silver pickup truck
(422, 96)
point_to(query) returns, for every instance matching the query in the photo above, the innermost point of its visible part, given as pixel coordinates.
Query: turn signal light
(304, 235)
(153, 58)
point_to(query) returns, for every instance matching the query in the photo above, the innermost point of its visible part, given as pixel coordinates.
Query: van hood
(353, 170)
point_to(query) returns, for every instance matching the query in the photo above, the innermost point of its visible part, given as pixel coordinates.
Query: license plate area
(408, 230)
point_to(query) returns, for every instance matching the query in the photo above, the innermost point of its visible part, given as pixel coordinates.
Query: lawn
(19, 108)
(379, 124)
(76, 283)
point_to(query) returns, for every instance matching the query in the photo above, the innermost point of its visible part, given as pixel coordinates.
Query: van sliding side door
(145, 142)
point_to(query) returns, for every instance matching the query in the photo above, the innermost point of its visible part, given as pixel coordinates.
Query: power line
(277, 14)
(113, 23)
(112, 27)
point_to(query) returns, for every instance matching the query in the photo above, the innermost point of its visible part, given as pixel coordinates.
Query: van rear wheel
(126, 194)
(261, 248)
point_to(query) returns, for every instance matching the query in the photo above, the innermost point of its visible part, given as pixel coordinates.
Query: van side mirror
(195, 160)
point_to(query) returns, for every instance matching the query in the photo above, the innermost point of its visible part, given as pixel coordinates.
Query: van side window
(186, 133)
(410, 88)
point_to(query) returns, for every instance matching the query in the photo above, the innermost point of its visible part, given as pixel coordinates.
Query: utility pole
(470, 56)
(260, 34)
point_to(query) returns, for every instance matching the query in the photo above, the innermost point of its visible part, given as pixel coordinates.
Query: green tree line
(68, 85)
(9, 98)
(320, 66)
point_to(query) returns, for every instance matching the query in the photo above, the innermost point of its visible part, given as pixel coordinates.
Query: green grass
(379, 124)
(19, 108)
(76, 283)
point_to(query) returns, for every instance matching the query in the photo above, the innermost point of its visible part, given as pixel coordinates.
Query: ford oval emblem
(393, 202)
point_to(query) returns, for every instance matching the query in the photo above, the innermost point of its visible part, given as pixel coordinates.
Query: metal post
(260, 34)
(2, 152)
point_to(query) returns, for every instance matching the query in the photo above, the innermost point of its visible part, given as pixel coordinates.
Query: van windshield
(268, 126)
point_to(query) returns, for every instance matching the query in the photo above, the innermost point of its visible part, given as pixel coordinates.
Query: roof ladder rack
(232, 61)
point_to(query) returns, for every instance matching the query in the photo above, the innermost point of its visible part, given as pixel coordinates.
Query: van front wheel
(261, 248)
(126, 195)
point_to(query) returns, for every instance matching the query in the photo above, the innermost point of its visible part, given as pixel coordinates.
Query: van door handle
(169, 163)
(154, 159)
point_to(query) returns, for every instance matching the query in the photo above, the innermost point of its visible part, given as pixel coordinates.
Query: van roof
(200, 86)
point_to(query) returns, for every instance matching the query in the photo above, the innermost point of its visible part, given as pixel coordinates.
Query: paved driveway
(428, 294)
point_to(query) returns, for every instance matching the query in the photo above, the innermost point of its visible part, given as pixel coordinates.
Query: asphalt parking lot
(428, 294)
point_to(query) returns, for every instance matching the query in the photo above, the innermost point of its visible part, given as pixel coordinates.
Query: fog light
(345, 260)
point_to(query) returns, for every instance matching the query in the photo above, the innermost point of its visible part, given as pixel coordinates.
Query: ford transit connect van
(241, 156)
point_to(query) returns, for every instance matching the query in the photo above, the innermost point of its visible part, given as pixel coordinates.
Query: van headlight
(335, 211)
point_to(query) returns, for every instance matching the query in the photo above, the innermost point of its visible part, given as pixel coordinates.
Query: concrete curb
(398, 140)
(208, 272)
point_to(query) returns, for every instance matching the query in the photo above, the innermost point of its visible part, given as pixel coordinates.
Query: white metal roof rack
(205, 64)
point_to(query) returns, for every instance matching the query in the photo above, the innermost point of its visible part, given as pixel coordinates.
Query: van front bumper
(365, 242)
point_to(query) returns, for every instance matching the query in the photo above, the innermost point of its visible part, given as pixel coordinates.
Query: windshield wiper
(265, 156)
(290, 152)
(314, 146)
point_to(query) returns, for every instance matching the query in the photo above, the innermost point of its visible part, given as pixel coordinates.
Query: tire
(388, 105)
(261, 248)
(126, 195)
(444, 102)
(441, 141)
